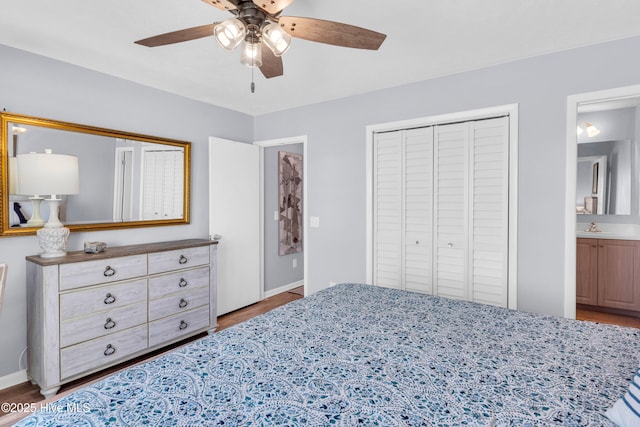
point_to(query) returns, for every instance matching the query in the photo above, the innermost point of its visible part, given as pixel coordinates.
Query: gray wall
(540, 85)
(278, 270)
(38, 86)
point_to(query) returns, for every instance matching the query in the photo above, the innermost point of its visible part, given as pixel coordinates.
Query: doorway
(611, 200)
(286, 272)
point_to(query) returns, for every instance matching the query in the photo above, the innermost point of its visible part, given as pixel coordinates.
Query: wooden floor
(28, 393)
(614, 319)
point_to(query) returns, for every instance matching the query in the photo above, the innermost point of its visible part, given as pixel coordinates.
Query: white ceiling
(425, 39)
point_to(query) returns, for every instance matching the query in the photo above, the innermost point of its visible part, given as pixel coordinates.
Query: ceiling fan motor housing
(253, 16)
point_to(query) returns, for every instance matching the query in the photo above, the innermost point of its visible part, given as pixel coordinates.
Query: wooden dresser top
(118, 251)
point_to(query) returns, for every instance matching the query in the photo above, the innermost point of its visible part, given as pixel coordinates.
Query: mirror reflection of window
(162, 189)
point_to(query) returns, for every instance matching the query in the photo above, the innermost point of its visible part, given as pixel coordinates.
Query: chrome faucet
(593, 228)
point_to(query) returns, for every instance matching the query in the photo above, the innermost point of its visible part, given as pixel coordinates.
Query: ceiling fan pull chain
(253, 85)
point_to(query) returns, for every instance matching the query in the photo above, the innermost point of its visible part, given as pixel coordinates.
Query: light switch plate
(275, 215)
(314, 221)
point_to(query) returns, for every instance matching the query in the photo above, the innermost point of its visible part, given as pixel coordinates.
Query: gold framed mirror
(126, 179)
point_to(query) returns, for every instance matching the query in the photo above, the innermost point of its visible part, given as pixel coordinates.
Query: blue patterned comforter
(363, 355)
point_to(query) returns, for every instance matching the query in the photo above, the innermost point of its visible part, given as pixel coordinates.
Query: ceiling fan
(257, 23)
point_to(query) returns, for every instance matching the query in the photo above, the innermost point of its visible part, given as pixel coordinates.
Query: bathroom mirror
(126, 179)
(603, 185)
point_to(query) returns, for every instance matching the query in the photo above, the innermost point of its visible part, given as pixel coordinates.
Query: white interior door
(234, 214)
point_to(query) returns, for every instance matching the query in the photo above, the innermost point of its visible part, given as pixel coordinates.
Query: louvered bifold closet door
(387, 209)
(418, 210)
(490, 211)
(403, 209)
(451, 200)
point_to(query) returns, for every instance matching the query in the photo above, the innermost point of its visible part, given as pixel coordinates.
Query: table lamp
(49, 174)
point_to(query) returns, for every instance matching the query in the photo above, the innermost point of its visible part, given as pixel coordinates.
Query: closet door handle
(449, 245)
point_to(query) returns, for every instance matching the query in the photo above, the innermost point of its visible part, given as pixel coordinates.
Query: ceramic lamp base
(53, 240)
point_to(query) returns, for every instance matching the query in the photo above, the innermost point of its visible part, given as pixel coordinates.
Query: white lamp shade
(13, 176)
(592, 130)
(46, 173)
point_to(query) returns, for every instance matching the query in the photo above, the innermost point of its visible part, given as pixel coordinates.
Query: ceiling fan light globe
(251, 55)
(230, 33)
(276, 39)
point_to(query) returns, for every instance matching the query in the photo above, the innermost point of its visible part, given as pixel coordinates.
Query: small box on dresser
(86, 312)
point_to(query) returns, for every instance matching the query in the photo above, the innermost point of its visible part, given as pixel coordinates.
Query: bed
(363, 355)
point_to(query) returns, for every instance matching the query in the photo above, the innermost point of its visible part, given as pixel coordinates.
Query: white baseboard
(13, 379)
(282, 289)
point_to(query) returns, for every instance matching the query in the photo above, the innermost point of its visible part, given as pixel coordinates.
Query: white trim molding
(573, 101)
(282, 289)
(13, 379)
(483, 113)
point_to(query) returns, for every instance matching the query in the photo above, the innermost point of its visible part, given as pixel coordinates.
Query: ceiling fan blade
(271, 64)
(178, 36)
(330, 32)
(272, 6)
(222, 4)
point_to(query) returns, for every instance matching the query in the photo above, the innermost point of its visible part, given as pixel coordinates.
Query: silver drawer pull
(183, 259)
(182, 283)
(183, 303)
(109, 299)
(109, 350)
(108, 272)
(109, 324)
(183, 325)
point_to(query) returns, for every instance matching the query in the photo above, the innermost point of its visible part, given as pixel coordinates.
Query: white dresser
(86, 312)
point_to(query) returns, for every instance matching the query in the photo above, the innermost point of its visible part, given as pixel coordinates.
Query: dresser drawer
(183, 324)
(160, 262)
(101, 298)
(82, 329)
(101, 351)
(78, 274)
(179, 302)
(160, 286)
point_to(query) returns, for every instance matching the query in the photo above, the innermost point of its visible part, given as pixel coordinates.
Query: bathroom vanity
(608, 270)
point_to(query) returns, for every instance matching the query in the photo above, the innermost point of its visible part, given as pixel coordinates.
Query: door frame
(119, 184)
(301, 139)
(570, 178)
(483, 113)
